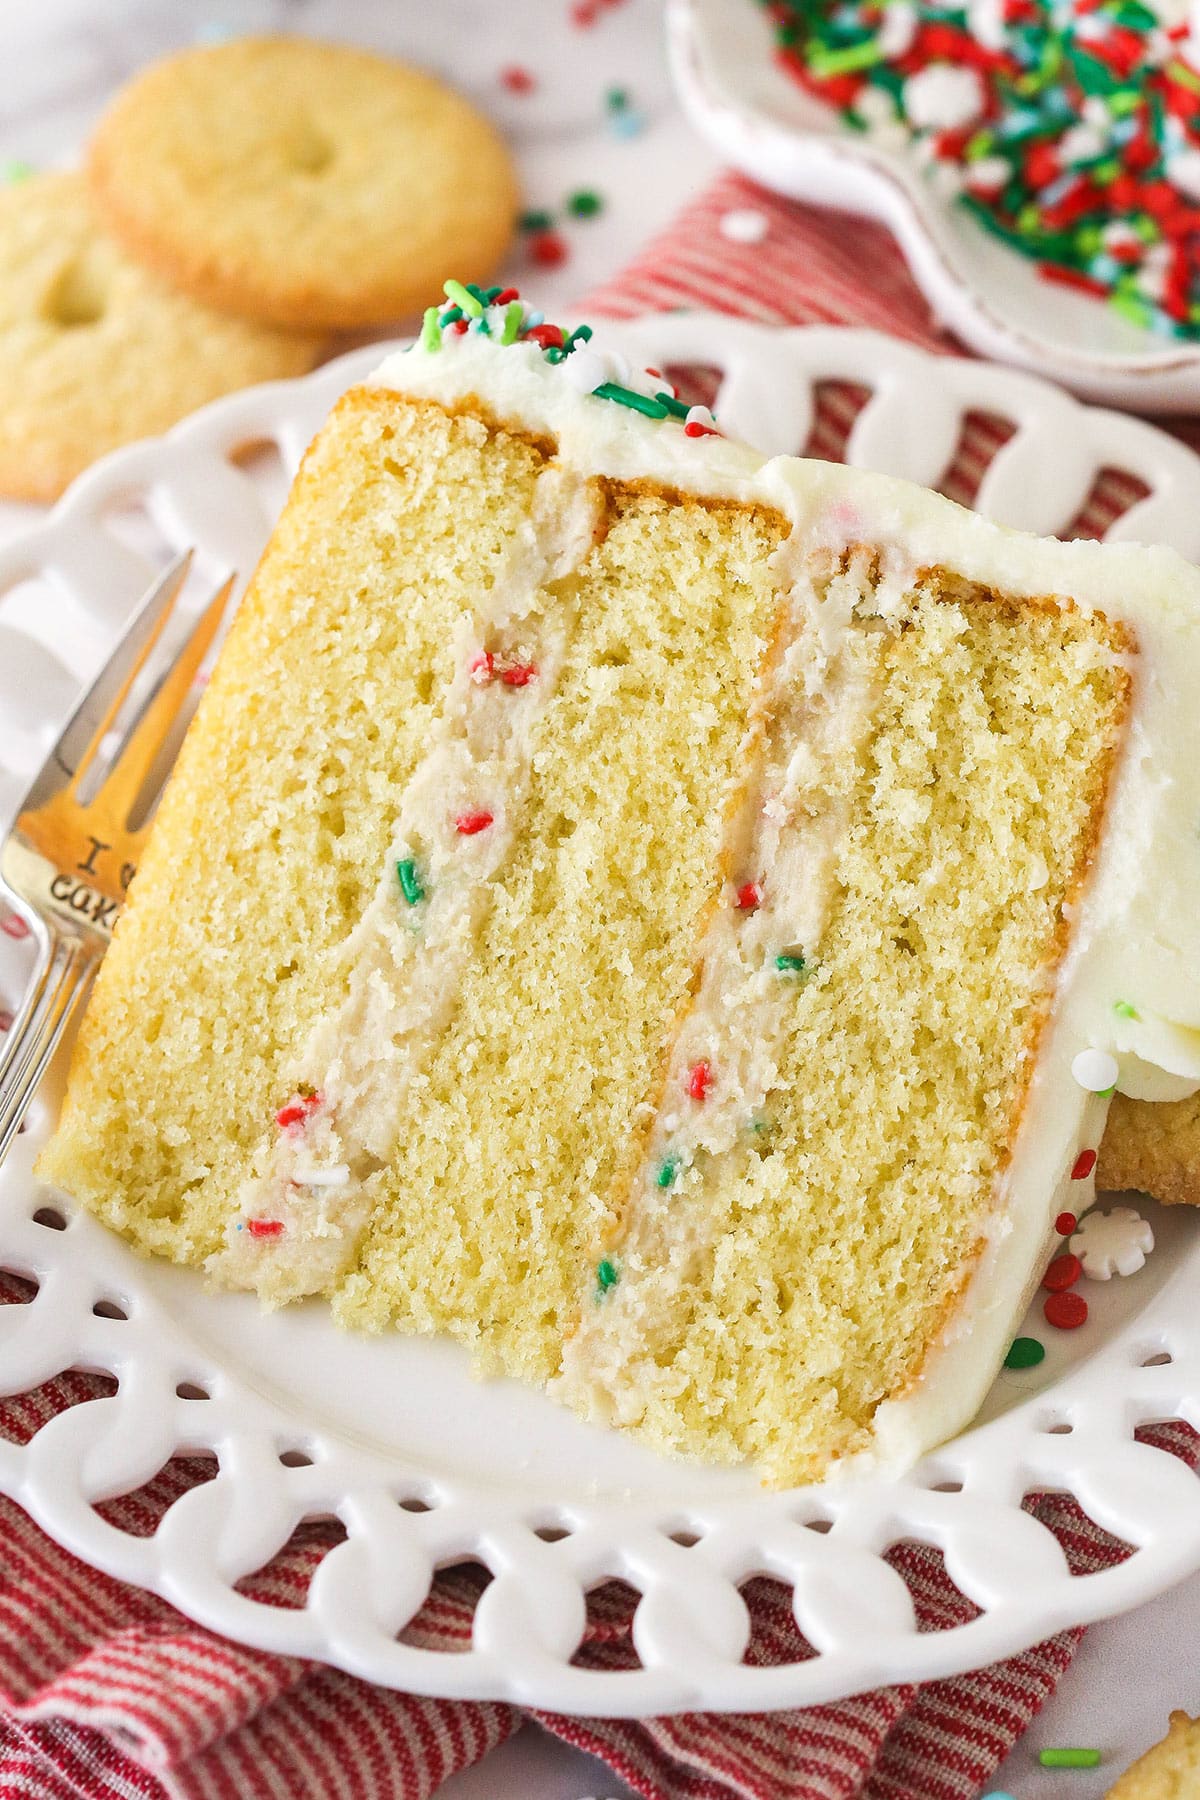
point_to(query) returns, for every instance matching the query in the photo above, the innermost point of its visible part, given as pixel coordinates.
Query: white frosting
(1135, 943)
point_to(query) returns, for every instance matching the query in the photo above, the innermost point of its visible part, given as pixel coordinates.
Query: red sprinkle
(1085, 1162)
(584, 13)
(547, 250)
(6, 1019)
(700, 1079)
(506, 295)
(550, 337)
(482, 668)
(14, 927)
(458, 325)
(1065, 1224)
(1066, 1311)
(467, 824)
(749, 897)
(518, 81)
(696, 429)
(518, 675)
(296, 1110)
(265, 1228)
(1062, 1274)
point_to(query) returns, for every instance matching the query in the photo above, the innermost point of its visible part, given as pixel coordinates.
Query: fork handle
(70, 971)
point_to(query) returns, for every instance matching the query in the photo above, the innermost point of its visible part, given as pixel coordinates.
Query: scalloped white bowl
(426, 1466)
(767, 126)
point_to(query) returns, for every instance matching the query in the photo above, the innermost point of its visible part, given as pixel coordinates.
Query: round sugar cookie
(305, 184)
(95, 352)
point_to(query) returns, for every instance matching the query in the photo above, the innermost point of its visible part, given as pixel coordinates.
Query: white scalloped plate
(770, 128)
(425, 1466)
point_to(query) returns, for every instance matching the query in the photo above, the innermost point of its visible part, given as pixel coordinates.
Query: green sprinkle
(431, 330)
(410, 885)
(616, 99)
(1138, 311)
(554, 354)
(1025, 1353)
(470, 303)
(15, 170)
(607, 1274)
(451, 315)
(675, 407)
(790, 962)
(1186, 77)
(1123, 1010)
(535, 221)
(580, 335)
(666, 1175)
(824, 62)
(653, 409)
(1069, 1759)
(514, 313)
(584, 204)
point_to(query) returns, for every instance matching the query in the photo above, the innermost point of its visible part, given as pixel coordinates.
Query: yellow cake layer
(770, 1300)
(271, 833)
(536, 1096)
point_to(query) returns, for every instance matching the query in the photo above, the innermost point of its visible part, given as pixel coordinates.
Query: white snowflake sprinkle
(1112, 1243)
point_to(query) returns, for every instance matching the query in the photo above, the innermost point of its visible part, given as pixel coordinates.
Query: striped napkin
(107, 1693)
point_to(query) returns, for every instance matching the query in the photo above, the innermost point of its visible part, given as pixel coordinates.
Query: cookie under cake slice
(670, 919)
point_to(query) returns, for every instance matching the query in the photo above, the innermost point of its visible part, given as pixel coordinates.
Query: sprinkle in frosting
(501, 314)
(1096, 1070)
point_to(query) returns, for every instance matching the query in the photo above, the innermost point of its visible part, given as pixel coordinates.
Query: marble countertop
(63, 58)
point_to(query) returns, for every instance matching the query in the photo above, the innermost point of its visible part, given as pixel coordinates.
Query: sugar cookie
(1170, 1771)
(94, 352)
(306, 184)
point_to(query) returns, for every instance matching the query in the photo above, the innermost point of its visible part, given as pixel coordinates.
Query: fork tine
(96, 710)
(135, 758)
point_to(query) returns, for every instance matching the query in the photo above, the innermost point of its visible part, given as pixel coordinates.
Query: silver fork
(66, 863)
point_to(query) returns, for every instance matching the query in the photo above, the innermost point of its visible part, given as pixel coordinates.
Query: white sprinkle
(1112, 1243)
(898, 29)
(943, 98)
(585, 370)
(1117, 235)
(1096, 1070)
(986, 21)
(1081, 143)
(875, 106)
(336, 1175)
(700, 415)
(988, 175)
(744, 225)
(1184, 170)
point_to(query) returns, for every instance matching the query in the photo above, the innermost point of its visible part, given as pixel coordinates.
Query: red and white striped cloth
(109, 1694)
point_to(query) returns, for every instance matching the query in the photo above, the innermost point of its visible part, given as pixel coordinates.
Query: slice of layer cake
(669, 919)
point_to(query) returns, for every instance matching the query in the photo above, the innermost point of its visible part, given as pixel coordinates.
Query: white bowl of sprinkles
(723, 56)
